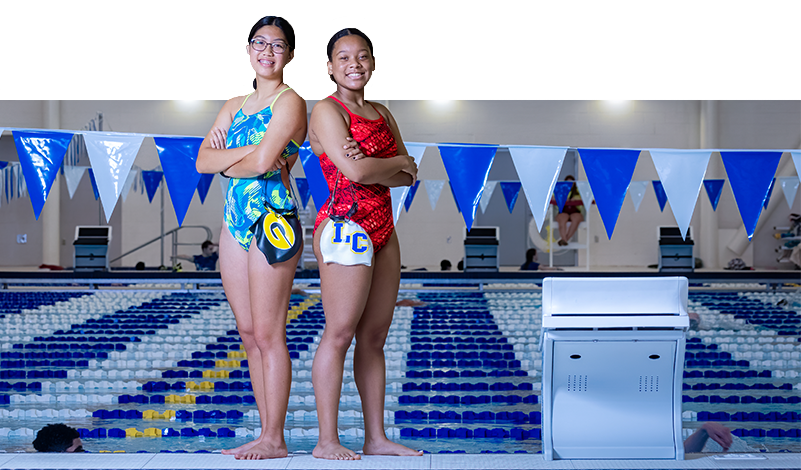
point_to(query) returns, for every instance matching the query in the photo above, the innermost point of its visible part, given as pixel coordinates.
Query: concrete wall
(516, 80)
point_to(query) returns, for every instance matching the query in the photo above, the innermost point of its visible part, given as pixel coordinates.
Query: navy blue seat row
(73, 346)
(461, 355)
(467, 399)
(199, 399)
(533, 417)
(426, 339)
(20, 387)
(740, 399)
(101, 433)
(736, 386)
(478, 433)
(465, 363)
(465, 387)
(219, 386)
(33, 374)
(768, 433)
(718, 363)
(461, 347)
(44, 363)
(790, 416)
(725, 374)
(427, 374)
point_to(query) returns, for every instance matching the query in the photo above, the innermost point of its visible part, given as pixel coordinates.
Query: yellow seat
(133, 432)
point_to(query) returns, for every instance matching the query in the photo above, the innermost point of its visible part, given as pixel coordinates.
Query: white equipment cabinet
(613, 362)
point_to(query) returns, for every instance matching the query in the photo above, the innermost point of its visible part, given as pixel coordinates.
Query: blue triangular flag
(560, 191)
(40, 155)
(770, 191)
(178, 156)
(660, 194)
(453, 193)
(468, 166)
(3, 165)
(304, 190)
(203, 185)
(94, 183)
(314, 175)
(410, 195)
(750, 176)
(713, 190)
(609, 172)
(510, 189)
(152, 179)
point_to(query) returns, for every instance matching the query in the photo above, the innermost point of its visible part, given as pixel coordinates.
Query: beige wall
(516, 80)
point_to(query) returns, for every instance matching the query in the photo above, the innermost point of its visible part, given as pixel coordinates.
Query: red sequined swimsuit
(374, 211)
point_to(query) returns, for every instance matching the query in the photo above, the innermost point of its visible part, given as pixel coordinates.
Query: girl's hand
(280, 163)
(411, 168)
(352, 150)
(218, 137)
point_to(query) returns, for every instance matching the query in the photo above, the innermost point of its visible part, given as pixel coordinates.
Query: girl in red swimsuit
(358, 300)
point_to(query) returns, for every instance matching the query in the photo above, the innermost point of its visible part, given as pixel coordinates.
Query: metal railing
(175, 243)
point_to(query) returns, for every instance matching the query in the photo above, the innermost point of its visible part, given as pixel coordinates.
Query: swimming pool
(152, 369)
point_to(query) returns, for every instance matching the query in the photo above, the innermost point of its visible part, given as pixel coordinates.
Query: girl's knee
(338, 339)
(372, 340)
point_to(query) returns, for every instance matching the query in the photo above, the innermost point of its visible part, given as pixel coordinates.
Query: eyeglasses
(261, 44)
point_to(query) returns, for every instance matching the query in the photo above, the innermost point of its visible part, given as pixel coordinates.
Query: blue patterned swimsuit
(244, 202)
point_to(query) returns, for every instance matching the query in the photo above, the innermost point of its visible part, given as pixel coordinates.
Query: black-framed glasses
(261, 44)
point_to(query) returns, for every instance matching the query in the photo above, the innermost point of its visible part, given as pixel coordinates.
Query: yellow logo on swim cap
(278, 231)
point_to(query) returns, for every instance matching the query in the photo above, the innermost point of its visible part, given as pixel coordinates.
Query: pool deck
(428, 461)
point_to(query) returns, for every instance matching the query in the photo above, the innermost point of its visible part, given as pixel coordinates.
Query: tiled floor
(428, 461)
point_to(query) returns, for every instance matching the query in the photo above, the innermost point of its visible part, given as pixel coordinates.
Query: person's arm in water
(718, 432)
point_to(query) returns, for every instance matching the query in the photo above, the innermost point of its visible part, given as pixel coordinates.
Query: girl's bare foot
(264, 450)
(387, 447)
(241, 449)
(334, 451)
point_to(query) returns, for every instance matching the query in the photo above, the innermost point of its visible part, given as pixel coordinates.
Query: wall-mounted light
(188, 90)
(617, 106)
(441, 89)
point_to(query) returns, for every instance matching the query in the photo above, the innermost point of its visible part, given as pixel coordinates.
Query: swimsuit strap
(279, 94)
(271, 104)
(246, 100)
(380, 116)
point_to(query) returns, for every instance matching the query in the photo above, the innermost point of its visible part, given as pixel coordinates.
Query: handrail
(172, 232)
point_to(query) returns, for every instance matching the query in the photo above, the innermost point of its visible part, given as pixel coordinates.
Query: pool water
(161, 370)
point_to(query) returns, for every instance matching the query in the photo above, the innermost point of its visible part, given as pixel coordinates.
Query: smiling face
(351, 62)
(268, 63)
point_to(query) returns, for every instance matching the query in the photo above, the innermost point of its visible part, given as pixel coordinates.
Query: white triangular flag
(126, 188)
(797, 161)
(434, 189)
(73, 175)
(398, 195)
(1, 132)
(789, 185)
(585, 192)
(112, 156)
(489, 188)
(637, 192)
(538, 168)
(682, 175)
